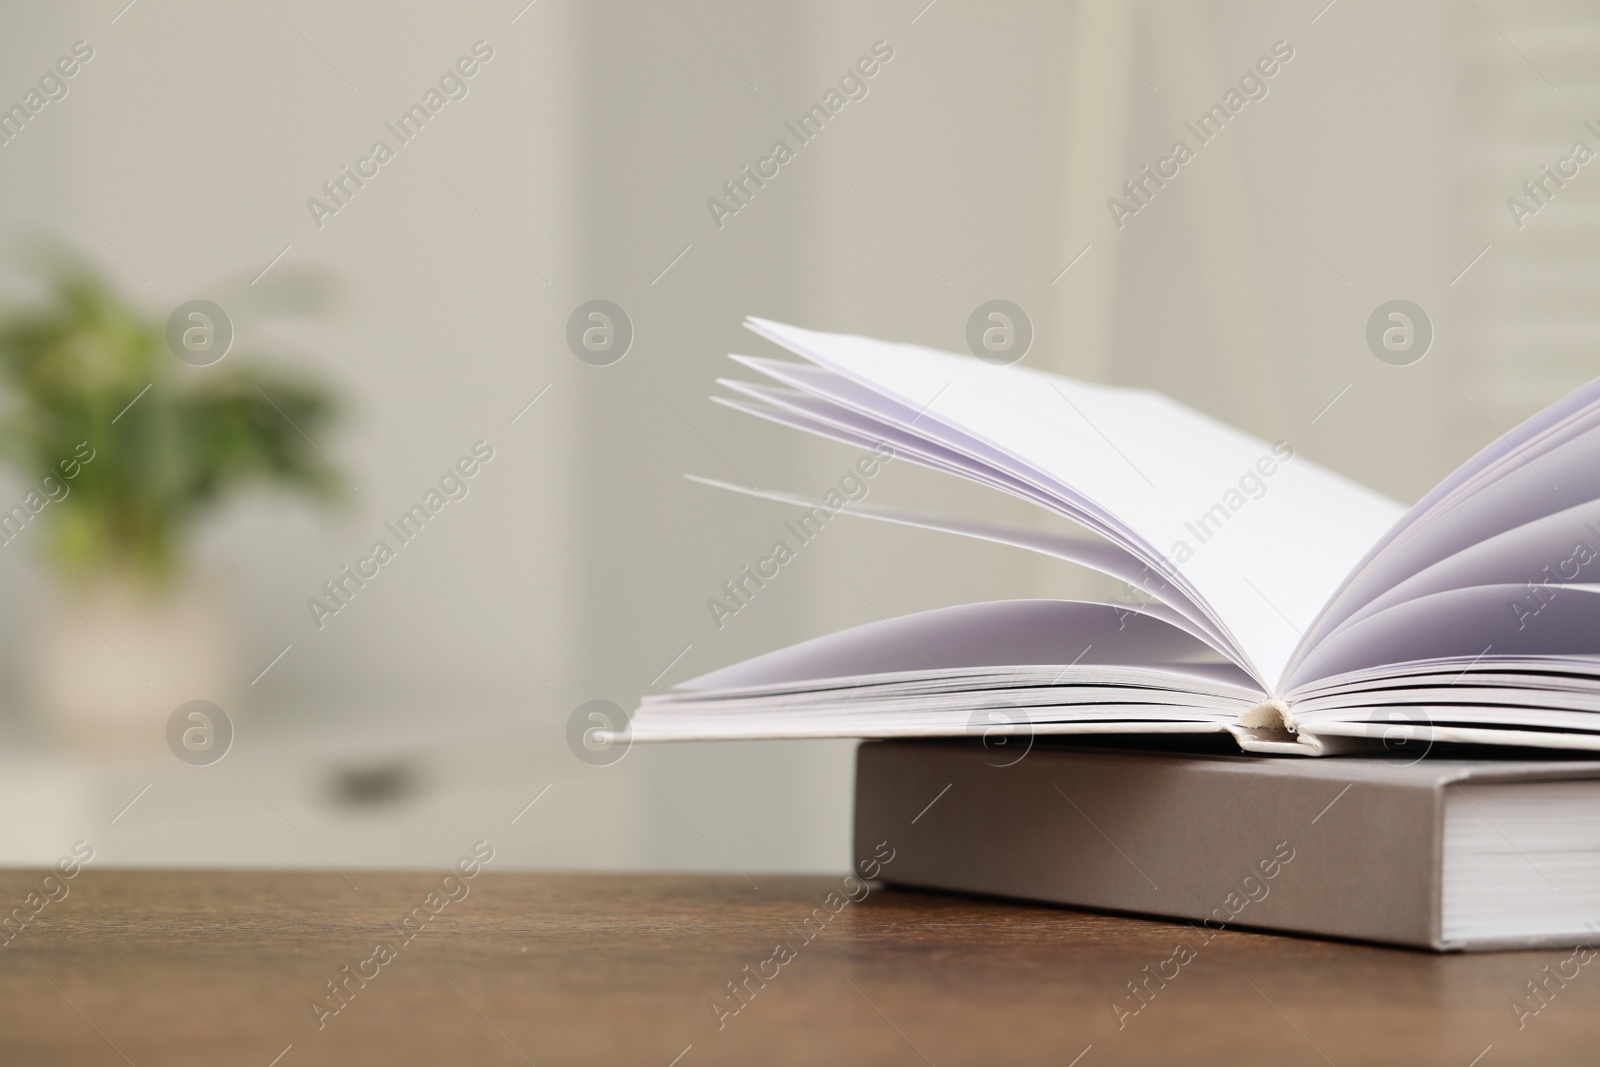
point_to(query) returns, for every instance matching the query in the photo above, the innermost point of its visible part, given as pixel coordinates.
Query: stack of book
(1274, 609)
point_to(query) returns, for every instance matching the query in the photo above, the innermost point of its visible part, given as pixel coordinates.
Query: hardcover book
(1271, 599)
(1442, 854)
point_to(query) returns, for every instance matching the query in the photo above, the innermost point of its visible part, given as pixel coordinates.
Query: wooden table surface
(222, 968)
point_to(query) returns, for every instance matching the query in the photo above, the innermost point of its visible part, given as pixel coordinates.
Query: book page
(1100, 555)
(1461, 623)
(1565, 544)
(841, 410)
(1262, 535)
(1522, 509)
(1069, 634)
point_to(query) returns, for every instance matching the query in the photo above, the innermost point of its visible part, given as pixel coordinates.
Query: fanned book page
(1287, 605)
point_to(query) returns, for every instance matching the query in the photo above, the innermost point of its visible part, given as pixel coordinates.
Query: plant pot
(116, 659)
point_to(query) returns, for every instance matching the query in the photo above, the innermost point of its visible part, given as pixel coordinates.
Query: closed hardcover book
(1433, 853)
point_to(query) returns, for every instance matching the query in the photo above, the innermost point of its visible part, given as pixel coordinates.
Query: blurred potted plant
(122, 450)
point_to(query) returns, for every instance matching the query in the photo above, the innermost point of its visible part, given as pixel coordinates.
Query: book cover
(1440, 854)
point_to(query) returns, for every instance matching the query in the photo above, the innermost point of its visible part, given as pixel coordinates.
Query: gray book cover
(1440, 854)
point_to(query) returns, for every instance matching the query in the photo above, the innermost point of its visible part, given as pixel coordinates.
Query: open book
(1269, 597)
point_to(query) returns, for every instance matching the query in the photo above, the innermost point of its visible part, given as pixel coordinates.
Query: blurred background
(374, 333)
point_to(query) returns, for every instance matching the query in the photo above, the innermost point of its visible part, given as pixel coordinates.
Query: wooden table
(221, 968)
